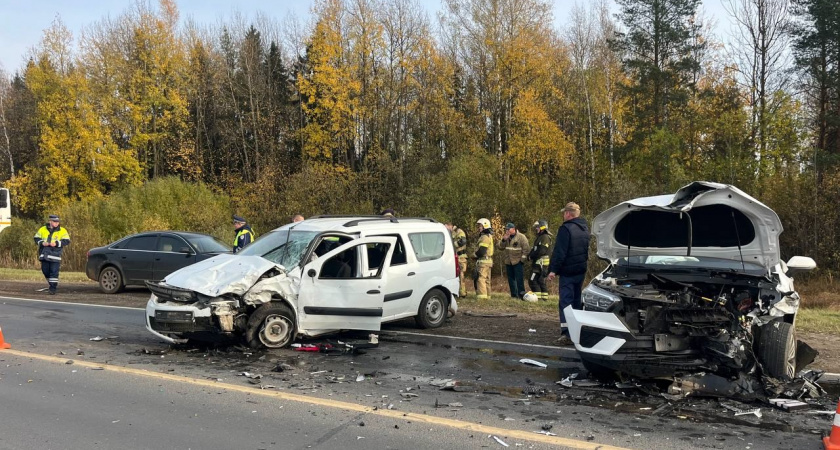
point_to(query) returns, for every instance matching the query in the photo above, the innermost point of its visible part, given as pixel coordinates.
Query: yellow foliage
(537, 144)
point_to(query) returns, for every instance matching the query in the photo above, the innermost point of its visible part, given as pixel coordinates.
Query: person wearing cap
(51, 239)
(388, 213)
(484, 258)
(459, 240)
(244, 234)
(540, 259)
(568, 260)
(515, 245)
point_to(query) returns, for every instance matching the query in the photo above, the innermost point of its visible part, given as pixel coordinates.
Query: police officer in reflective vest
(51, 239)
(484, 258)
(244, 234)
(540, 258)
(459, 240)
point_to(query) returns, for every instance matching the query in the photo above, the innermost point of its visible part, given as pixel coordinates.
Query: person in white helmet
(484, 258)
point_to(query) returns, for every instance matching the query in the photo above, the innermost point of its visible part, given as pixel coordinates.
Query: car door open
(339, 292)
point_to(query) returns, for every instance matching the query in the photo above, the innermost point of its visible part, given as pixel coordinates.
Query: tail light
(457, 266)
(88, 254)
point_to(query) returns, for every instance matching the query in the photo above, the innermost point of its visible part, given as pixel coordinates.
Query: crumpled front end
(176, 313)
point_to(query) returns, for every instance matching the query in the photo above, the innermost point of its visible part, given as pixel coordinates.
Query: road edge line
(329, 403)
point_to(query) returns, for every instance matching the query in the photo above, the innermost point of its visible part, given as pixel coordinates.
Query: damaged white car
(321, 275)
(695, 283)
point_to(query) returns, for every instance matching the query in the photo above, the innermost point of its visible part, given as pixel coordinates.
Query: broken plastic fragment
(97, 338)
(360, 377)
(531, 362)
(500, 441)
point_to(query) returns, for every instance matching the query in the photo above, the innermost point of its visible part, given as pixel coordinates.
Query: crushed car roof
(701, 219)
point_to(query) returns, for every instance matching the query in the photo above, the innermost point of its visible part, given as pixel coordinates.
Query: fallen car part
(531, 362)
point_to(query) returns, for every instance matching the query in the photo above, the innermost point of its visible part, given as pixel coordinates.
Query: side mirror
(185, 250)
(311, 273)
(800, 264)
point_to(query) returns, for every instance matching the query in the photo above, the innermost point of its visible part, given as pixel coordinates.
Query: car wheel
(110, 280)
(271, 325)
(432, 311)
(777, 350)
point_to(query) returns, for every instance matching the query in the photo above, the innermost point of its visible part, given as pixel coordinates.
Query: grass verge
(818, 320)
(36, 275)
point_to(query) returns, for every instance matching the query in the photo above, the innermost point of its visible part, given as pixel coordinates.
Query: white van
(324, 274)
(5, 209)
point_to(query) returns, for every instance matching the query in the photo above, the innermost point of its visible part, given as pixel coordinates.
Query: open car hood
(220, 275)
(701, 219)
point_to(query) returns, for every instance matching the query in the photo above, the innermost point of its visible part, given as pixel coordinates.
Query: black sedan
(148, 256)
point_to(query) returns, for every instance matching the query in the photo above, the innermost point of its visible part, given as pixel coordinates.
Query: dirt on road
(539, 329)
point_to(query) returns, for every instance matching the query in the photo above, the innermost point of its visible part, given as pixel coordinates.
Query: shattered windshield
(281, 247)
(702, 262)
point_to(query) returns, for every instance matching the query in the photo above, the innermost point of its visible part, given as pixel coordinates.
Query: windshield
(273, 246)
(664, 262)
(208, 244)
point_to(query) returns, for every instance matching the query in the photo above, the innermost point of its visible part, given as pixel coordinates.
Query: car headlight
(597, 299)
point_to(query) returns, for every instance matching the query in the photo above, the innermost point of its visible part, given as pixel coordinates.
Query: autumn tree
(76, 157)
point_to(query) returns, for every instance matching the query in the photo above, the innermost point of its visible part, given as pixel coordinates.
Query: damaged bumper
(176, 323)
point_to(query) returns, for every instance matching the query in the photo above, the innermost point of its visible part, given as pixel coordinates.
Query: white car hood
(222, 274)
(762, 250)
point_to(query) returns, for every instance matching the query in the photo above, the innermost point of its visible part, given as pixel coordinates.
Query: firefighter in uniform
(459, 240)
(540, 257)
(484, 258)
(51, 239)
(244, 234)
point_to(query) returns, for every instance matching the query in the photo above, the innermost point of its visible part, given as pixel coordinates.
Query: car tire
(777, 350)
(433, 309)
(271, 326)
(110, 280)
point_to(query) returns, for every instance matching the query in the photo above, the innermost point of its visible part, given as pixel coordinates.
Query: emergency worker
(51, 239)
(571, 253)
(539, 257)
(459, 240)
(515, 246)
(484, 258)
(244, 234)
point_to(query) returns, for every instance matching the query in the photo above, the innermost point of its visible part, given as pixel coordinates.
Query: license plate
(174, 316)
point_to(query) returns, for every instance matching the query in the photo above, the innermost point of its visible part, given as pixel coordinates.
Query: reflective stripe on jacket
(515, 249)
(244, 236)
(485, 241)
(47, 234)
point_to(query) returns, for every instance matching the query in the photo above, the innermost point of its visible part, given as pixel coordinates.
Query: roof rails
(360, 219)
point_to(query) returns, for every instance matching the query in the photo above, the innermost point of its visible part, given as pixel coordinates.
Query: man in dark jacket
(51, 240)
(244, 234)
(569, 261)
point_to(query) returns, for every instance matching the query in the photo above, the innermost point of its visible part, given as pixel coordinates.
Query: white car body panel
(763, 250)
(576, 319)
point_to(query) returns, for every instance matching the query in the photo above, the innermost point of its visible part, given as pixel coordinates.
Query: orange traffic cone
(832, 441)
(4, 344)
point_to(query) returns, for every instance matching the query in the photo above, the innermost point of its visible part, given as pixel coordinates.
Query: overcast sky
(22, 22)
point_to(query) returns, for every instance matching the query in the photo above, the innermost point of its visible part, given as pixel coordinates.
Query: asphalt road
(149, 395)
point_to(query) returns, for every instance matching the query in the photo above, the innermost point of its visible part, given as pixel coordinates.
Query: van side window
(399, 257)
(342, 265)
(376, 258)
(427, 246)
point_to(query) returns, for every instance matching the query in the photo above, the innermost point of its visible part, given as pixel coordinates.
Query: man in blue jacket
(571, 252)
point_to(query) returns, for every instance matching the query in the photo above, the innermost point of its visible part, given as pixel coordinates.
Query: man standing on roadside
(459, 240)
(244, 234)
(515, 245)
(571, 253)
(540, 260)
(484, 259)
(51, 239)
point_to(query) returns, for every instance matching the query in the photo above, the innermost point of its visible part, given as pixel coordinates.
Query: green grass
(818, 320)
(36, 275)
(503, 303)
